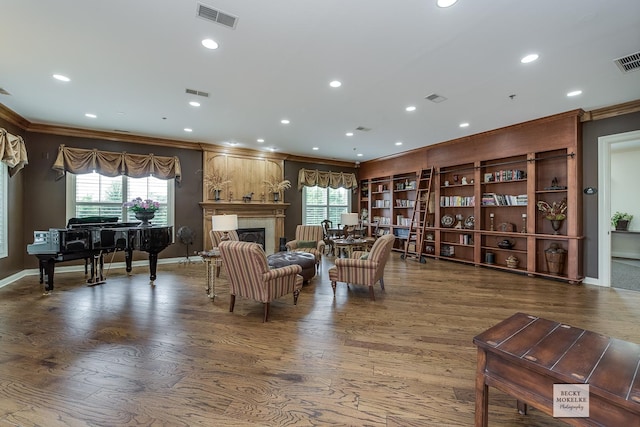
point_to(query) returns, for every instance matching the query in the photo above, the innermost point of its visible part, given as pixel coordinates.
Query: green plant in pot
(621, 220)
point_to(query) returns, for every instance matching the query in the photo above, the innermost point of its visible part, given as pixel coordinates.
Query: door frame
(604, 201)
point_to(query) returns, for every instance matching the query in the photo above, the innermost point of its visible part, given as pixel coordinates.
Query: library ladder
(420, 216)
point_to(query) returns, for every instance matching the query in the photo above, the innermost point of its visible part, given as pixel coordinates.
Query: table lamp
(350, 220)
(224, 223)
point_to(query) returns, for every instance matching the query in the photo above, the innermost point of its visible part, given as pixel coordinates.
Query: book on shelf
(459, 201)
(505, 175)
(494, 199)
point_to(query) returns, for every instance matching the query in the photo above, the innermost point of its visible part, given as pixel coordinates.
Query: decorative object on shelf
(524, 223)
(224, 223)
(276, 188)
(455, 178)
(621, 220)
(506, 227)
(555, 186)
(247, 197)
(491, 217)
(216, 183)
(430, 249)
(555, 256)
(555, 212)
(470, 222)
(447, 220)
(364, 215)
(262, 198)
(144, 210)
(464, 180)
(230, 196)
(506, 244)
(489, 258)
(512, 261)
(459, 218)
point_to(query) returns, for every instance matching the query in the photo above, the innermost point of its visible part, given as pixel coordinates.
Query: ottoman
(305, 260)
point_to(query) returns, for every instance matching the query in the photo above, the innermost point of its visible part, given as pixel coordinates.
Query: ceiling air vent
(213, 15)
(197, 92)
(363, 129)
(629, 62)
(4, 92)
(434, 97)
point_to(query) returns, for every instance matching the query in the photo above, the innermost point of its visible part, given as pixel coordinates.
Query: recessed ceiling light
(194, 103)
(272, 149)
(188, 130)
(349, 133)
(411, 108)
(335, 83)
(91, 115)
(399, 143)
(446, 3)
(260, 140)
(209, 44)
(233, 144)
(574, 93)
(529, 58)
(285, 121)
(315, 148)
(61, 78)
(464, 125)
(359, 154)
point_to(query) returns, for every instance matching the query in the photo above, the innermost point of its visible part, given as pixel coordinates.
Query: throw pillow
(307, 243)
(365, 256)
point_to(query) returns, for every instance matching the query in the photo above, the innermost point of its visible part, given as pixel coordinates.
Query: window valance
(79, 160)
(12, 151)
(324, 179)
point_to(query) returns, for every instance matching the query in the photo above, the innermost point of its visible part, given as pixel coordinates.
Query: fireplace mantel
(248, 212)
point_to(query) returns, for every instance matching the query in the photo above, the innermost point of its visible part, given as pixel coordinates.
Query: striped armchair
(363, 271)
(307, 234)
(250, 275)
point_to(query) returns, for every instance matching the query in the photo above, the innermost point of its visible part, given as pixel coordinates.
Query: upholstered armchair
(309, 238)
(363, 270)
(250, 276)
(216, 236)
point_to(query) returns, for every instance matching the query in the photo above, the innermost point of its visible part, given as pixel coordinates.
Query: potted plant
(276, 187)
(621, 220)
(216, 183)
(555, 212)
(144, 210)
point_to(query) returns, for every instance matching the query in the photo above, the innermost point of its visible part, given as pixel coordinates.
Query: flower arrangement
(276, 187)
(557, 211)
(139, 205)
(216, 182)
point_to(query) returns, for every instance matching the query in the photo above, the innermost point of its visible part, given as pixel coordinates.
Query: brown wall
(15, 218)
(591, 131)
(294, 196)
(44, 200)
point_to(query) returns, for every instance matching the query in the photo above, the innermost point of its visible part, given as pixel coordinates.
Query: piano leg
(128, 256)
(50, 265)
(153, 264)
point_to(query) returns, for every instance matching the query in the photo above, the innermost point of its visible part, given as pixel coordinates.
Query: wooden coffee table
(525, 355)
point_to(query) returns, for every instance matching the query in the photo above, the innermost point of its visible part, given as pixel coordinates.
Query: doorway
(606, 146)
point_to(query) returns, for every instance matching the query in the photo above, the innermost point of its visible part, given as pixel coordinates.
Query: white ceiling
(130, 62)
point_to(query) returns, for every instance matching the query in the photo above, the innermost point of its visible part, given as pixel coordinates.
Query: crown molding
(612, 111)
(13, 118)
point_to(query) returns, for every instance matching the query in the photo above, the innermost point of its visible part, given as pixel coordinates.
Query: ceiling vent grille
(629, 62)
(197, 92)
(213, 15)
(434, 97)
(363, 129)
(4, 92)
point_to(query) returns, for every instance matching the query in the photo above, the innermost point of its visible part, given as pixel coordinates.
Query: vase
(145, 216)
(556, 224)
(622, 225)
(216, 195)
(555, 256)
(276, 197)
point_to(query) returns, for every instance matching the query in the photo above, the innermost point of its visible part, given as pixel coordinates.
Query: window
(93, 194)
(4, 231)
(324, 203)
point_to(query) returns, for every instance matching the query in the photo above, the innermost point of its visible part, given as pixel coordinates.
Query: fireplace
(255, 235)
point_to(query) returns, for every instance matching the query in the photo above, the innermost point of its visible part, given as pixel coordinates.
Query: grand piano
(93, 237)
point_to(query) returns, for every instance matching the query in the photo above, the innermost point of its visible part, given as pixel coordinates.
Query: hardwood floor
(126, 353)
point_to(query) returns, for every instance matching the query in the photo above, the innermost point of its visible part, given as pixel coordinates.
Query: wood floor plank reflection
(126, 353)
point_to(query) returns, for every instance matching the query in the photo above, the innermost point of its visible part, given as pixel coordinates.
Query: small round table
(349, 245)
(304, 259)
(213, 261)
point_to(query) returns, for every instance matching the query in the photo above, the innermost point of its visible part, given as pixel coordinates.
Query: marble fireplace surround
(269, 216)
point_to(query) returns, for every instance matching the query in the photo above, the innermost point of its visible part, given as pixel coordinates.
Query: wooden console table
(525, 355)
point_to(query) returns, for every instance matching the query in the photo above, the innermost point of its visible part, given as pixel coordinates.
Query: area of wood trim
(612, 111)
